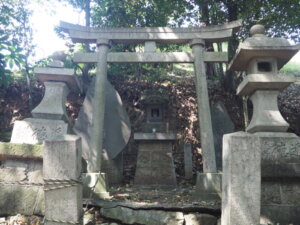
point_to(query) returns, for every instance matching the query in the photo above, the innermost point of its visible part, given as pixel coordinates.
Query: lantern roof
(260, 45)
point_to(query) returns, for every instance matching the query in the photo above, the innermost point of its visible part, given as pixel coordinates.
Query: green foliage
(176, 13)
(15, 38)
(291, 68)
(137, 13)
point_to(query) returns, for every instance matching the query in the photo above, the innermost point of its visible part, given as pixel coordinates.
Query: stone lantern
(261, 165)
(262, 57)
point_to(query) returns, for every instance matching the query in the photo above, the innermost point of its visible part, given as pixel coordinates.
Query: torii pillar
(208, 185)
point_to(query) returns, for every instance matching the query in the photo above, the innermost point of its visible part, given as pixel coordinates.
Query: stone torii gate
(196, 37)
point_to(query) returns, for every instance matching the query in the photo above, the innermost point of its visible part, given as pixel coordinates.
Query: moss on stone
(21, 150)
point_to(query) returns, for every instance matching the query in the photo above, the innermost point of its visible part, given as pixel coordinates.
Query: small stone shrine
(261, 166)
(155, 165)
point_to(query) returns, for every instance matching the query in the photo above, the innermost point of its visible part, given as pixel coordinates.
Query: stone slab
(254, 82)
(188, 161)
(154, 136)
(62, 161)
(25, 200)
(23, 151)
(280, 214)
(35, 131)
(26, 170)
(62, 158)
(155, 166)
(241, 186)
(143, 217)
(205, 209)
(221, 124)
(116, 125)
(199, 219)
(113, 168)
(278, 148)
(65, 75)
(208, 186)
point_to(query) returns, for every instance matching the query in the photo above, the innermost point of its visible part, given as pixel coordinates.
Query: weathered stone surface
(147, 217)
(199, 219)
(94, 186)
(117, 124)
(155, 164)
(62, 158)
(113, 168)
(241, 186)
(11, 150)
(159, 34)
(21, 179)
(65, 75)
(259, 45)
(204, 115)
(154, 136)
(279, 147)
(266, 116)
(25, 200)
(52, 106)
(12, 174)
(188, 161)
(62, 161)
(221, 124)
(208, 186)
(262, 81)
(280, 214)
(279, 189)
(150, 46)
(21, 170)
(281, 170)
(35, 131)
(270, 193)
(134, 57)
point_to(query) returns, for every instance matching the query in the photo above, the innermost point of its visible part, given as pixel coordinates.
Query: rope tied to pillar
(21, 183)
(61, 221)
(61, 183)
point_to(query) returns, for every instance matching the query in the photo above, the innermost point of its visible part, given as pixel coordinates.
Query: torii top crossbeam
(217, 33)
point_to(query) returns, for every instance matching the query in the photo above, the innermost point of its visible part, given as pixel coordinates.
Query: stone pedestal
(35, 131)
(280, 196)
(94, 186)
(280, 184)
(63, 190)
(208, 186)
(155, 167)
(241, 187)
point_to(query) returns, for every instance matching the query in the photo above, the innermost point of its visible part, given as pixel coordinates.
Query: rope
(21, 183)
(62, 183)
(61, 221)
